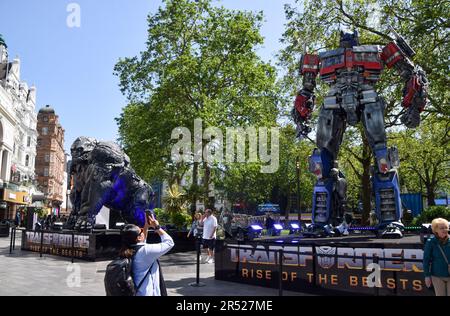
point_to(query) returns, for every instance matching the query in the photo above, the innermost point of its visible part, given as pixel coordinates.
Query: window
(39, 142)
(47, 157)
(45, 131)
(45, 118)
(27, 161)
(29, 141)
(45, 172)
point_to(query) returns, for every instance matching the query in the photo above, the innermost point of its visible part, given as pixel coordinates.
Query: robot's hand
(411, 118)
(415, 98)
(302, 127)
(304, 103)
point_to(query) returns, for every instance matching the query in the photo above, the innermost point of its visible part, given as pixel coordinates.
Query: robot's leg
(331, 127)
(343, 217)
(319, 162)
(384, 178)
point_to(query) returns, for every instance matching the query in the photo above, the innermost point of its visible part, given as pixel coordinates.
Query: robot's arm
(304, 102)
(396, 54)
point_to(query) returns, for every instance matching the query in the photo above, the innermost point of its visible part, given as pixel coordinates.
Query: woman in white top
(144, 256)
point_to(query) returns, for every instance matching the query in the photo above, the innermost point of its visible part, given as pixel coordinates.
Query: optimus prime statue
(102, 176)
(352, 71)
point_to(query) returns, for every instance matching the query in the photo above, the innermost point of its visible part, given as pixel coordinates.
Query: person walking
(436, 258)
(209, 234)
(145, 265)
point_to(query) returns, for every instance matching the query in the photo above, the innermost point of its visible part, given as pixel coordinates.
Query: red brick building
(50, 158)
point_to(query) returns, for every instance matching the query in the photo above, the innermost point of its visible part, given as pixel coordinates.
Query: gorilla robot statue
(101, 175)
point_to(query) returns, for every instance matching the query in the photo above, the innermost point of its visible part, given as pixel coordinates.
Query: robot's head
(81, 148)
(348, 40)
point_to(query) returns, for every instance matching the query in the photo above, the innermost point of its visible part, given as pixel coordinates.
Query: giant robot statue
(102, 176)
(352, 71)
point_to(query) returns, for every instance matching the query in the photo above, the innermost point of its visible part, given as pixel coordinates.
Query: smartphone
(149, 213)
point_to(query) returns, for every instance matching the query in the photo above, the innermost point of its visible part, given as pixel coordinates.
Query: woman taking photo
(145, 266)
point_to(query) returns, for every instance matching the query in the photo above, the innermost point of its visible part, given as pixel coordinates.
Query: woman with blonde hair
(436, 258)
(196, 225)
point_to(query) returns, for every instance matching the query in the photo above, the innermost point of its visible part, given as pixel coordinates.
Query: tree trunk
(207, 200)
(365, 181)
(194, 187)
(289, 203)
(431, 196)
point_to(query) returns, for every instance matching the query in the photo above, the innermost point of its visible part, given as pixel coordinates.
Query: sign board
(323, 268)
(59, 244)
(15, 197)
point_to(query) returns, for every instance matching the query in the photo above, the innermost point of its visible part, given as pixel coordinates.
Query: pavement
(24, 273)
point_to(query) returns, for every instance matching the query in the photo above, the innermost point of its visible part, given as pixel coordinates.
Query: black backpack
(119, 279)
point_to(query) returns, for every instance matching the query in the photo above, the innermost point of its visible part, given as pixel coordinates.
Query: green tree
(245, 183)
(200, 62)
(426, 157)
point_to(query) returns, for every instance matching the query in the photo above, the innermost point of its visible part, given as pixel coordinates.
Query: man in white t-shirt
(209, 234)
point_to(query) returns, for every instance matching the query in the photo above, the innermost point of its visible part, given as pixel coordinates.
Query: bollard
(14, 240)
(197, 282)
(11, 242)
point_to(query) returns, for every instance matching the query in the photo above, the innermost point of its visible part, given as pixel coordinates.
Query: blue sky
(72, 68)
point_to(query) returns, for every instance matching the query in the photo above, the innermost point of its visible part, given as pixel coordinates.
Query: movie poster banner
(60, 244)
(375, 269)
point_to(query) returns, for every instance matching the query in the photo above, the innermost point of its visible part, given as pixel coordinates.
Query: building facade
(50, 158)
(18, 136)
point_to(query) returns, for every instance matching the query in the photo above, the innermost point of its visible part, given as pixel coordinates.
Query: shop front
(11, 201)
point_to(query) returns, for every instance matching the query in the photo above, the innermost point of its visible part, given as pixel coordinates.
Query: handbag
(445, 258)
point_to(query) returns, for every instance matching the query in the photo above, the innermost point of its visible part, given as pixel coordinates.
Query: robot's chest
(365, 58)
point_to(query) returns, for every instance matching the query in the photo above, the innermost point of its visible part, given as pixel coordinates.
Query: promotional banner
(361, 269)
(60, 244)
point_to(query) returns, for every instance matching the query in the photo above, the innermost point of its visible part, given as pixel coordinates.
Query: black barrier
(197, 282)
(253, 263)
(12, 243)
